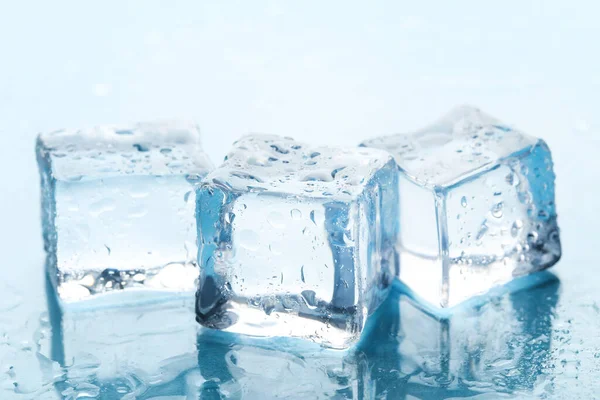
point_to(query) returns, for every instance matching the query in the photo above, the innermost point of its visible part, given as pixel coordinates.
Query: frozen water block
(296, 241)
(118, 207)
(476, 206)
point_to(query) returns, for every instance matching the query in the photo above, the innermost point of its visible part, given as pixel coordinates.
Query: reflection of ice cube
(118, 207)
(120, 347)
(293, 239)
(500, 344)
(242, 368)
(476, 206)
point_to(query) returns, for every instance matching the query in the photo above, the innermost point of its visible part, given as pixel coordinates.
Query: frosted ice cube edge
(485, 192)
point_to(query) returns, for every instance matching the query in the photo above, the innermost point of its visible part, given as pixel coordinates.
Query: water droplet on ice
(102, 206)
(229, 217)
(482, 231)
(497, 210)
(275, 249)
(275, 219)
(296, 214)
(516, 227)
(248, 239)
(463, 201)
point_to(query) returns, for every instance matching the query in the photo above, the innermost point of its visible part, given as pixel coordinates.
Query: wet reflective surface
(519, 343)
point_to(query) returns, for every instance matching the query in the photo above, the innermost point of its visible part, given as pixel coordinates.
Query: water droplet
(532, 237)
(317, 217)
(296, 214)
(318, 176)
(166, 150)
(302, 274)
(245, 175)
(279, 149)
(229, 217)
(259, 161)
(137, 212)
(138, 193)
(249, 239)
(140, 147)
(102, 206)
(275, 249)
(463, 201)
(524, 197)
(276, 220)
(516, 227)
(497, 211)
(482, 231)
(434, 139)
(193, 179)
(335, 171)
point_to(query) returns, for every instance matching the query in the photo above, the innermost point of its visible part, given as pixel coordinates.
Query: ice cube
(476, 206)
(118, 207)
(292, 239)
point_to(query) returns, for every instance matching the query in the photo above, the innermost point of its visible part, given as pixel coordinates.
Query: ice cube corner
(118, 207)
(476, 206)
(295, 240)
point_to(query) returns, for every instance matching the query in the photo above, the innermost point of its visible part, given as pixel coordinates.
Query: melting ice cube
(118, 207)
(294, 239)
(476, 206)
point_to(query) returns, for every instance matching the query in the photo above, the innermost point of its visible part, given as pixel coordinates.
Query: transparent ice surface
(476, 206)
(294, 239)
(118, 207)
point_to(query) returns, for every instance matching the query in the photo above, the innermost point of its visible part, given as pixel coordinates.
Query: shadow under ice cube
(294, 240)
(476, 206)
(118, 207)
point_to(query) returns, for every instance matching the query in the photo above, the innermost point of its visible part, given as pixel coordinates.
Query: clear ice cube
(476, 206)
(294, 240)
(118, 207)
